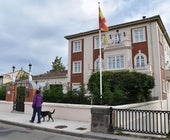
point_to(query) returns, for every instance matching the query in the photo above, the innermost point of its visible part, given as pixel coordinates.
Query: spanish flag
(102, 21)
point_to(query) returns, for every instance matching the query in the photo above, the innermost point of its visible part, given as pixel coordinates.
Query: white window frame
(77, 46)
(162, 62)
(163, 85)
(167, 86)
(141, 63)
(117, 38)
(76, 86)
(96, 42)
(97, 64)
(116, 62)
(139, 35)
(77, 66)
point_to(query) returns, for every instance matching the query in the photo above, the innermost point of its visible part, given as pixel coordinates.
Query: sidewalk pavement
(74, 128)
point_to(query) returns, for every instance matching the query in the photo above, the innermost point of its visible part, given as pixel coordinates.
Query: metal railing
(140, 121)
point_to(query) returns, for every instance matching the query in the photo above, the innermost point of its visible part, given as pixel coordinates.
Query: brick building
(142, 45)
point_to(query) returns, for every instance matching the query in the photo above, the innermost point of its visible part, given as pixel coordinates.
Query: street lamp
(13, 68)
(30, 77)
(13, 80)
(30, 67)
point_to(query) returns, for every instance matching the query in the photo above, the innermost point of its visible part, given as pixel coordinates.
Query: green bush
(121, 87)
(55, 94)
(2, 92)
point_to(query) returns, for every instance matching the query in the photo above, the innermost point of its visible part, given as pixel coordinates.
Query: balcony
(147, 69)
(124, 44)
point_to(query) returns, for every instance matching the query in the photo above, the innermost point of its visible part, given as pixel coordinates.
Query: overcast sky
(32, 31)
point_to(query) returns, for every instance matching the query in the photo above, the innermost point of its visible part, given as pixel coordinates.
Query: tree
(53, 94)
(57, 65)
(2, 92)
(121, 87)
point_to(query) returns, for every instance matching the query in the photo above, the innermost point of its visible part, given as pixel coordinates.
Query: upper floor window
(139, 35)
(140, 60)
(77, 46)
(116, 62)
(162, 61)
(96, 41)
(116, 38)
(77, 67)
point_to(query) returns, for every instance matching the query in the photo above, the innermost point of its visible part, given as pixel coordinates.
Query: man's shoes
(38, 122)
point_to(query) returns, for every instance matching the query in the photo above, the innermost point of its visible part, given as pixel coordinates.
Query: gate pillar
(100, 120)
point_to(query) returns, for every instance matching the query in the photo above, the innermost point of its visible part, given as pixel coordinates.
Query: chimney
(143, 17)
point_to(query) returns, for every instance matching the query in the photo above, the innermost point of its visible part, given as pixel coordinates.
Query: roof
(51, 75)
(17, 75)
(156, 18)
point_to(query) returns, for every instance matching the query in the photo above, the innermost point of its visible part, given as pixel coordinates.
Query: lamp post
(30, 67)
(13, 88)
(13, 70)
(30, 77)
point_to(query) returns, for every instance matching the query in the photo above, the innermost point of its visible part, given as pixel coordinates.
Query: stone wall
(79, 112)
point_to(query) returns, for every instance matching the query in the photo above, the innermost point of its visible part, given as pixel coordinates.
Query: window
(140, 60)
(76, 46)
(76, 86)
(116, 62)
(167, 86)
(97, 64)
(162, 62)
(96, 43)
(77, 67)
(163, 85)
(139, 35)
(117, 39)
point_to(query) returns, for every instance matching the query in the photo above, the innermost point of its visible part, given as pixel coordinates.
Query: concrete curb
(84, 135)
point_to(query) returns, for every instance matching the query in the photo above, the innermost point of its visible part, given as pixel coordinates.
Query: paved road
(11, 132)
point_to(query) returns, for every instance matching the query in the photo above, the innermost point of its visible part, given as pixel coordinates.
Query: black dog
(47, 113)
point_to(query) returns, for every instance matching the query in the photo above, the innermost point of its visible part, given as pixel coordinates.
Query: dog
(47, 113)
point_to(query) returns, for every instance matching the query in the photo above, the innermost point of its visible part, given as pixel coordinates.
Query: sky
(32, 31)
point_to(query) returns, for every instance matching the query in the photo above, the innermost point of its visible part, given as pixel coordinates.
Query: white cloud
(32, 31)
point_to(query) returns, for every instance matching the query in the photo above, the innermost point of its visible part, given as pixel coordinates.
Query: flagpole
(100, 60)
(102, 27)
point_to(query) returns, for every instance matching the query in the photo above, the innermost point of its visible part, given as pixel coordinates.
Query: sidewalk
(74, 128)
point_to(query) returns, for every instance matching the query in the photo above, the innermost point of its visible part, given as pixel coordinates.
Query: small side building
(52, 78)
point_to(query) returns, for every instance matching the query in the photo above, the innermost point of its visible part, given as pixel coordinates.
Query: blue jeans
(38, 111)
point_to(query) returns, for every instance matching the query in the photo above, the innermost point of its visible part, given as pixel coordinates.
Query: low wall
(6, 106)
(79, 112)
(152, 105)
(65, 111)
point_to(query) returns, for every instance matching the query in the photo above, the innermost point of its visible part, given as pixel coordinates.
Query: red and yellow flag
(102, 22)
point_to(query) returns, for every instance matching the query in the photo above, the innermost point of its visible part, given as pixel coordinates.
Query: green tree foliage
(57, 65)
(121, 87)
(2, 92)
(55, 94)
